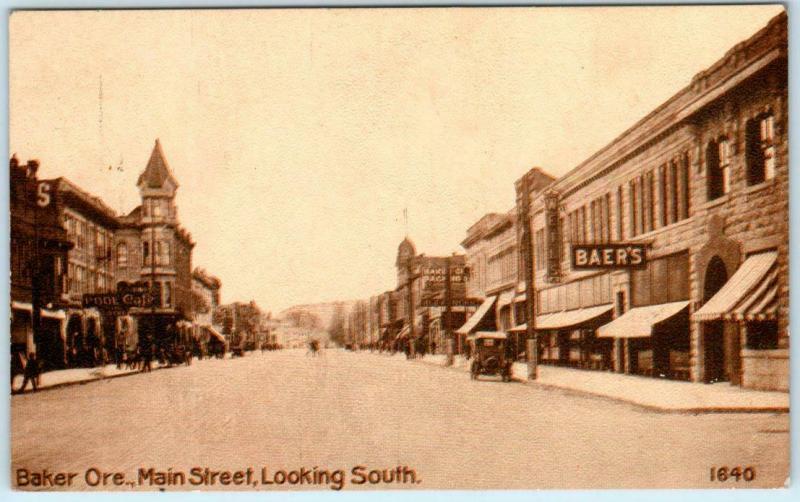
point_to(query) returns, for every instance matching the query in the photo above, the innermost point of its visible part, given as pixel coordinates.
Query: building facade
(702, 183)
(38, 284)
(86, 249)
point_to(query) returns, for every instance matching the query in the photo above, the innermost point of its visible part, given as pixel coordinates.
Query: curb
(637, 404)
(87, 381)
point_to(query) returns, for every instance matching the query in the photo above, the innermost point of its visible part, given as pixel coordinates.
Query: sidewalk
(60, 378)
(651, 393)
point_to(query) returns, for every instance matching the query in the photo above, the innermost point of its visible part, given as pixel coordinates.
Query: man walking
(31, 373)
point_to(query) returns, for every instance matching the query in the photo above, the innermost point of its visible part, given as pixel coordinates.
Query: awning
(476, 318)
(22, 306)
(53, 314)
(505, 298)
(520, 298)
(216, 334)
(751, 294)
(403, 333)
(639, 322)
(521, 328)
(568, 318)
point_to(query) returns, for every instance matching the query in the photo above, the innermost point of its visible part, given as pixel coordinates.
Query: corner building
(703, 181)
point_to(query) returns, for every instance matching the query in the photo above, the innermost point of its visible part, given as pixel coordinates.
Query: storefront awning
(568, 318)
(477, 317)
(504, 299)
(639, 322)
(22, 306)
(53, 314)
(216, 334)
(520, 298)
(403, 333)
(751, 294)
(520, 328)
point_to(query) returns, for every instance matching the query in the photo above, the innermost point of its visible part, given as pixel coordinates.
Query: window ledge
(716, 202)
(761, 186)
(651, 234)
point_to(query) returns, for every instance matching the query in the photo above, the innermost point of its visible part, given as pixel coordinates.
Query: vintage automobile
(489, 355)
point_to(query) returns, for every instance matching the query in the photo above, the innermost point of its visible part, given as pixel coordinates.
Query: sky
(299, 137)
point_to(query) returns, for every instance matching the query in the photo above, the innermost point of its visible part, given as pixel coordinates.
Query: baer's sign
(610, 256)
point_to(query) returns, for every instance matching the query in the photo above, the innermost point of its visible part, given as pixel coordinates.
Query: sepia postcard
(339, 249)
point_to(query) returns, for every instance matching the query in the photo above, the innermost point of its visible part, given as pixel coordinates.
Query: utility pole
(530, 291)
(448, 300)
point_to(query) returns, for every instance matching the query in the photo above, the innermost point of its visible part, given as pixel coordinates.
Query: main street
(287, 410)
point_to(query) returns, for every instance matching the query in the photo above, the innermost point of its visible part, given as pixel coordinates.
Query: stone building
(152, 247)
(702, 183)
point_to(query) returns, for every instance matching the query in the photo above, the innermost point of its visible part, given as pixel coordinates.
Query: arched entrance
(714, 331)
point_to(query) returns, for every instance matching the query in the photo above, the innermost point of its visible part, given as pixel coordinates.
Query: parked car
(489, 355)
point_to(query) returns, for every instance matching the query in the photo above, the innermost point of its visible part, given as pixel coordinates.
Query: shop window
(759, 142)
(717, 168)
(122, 255)
(762, 335)
(664, 280)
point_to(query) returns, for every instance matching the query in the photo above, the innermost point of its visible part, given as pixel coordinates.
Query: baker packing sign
(127, 296)
(608, 256)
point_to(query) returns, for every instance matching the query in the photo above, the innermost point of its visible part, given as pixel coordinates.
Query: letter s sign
(43, 194)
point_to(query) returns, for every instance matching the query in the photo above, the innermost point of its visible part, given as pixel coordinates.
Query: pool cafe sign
(454, 302)
(608, 256)
(127, 296)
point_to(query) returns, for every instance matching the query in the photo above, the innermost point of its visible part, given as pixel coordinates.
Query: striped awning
(477, 317)
(750, 295)
(639, 322)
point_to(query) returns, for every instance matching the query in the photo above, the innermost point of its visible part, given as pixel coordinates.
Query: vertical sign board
(552, 237)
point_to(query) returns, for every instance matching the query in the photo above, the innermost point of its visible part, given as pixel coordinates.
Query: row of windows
(760, 157)
(582, 293)
(82, 280)
(656, 198)
(163, 253)
(83, 234)
(503, 266)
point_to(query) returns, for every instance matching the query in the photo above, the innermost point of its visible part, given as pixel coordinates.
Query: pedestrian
(17, 368)
(433, 347)
(147, 359)
(31, 373)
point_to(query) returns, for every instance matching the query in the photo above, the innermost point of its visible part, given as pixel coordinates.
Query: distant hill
(323, 311)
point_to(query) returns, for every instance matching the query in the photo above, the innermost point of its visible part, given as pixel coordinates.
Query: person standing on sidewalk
(147, 358)
(31, 373)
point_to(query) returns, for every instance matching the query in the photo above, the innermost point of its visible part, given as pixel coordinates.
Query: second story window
(759, 139)
(145, 253)
(122, 254)
(718, 176)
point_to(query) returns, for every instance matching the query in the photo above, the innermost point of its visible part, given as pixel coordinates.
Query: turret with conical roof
(157, 187)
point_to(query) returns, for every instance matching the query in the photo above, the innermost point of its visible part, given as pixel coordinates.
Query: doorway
(715, 360)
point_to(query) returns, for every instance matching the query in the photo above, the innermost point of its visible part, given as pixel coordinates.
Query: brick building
(495, 269)
(38, 250)
(702, 181)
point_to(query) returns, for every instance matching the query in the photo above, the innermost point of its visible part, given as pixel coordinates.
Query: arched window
(759, 140)
(718, 168)
(122, 254)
